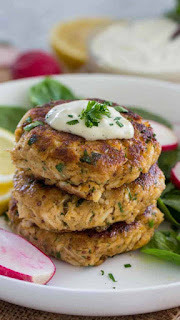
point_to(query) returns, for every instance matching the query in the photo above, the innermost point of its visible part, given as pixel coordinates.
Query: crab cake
(52, 209)
(89, 247)
(81, 167)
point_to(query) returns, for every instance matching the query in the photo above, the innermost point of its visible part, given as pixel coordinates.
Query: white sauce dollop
(59, 115)
(142, 46)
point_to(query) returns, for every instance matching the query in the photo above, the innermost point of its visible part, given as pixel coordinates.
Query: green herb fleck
(120, 207)
(111, 124)
(102, 272)
(94, 113)
(28, 120)
(119, 124)
(127, 265)
(129, 192)
(72, 122)
(120, 109)
(32, 125)
(79, 202)
(114, 287)
(151, 223)
(70, 115)
(32, 140)
(58, 255)
(111, 277)
(117, 118)
(59, 167)
(90, 159)
(62, 214)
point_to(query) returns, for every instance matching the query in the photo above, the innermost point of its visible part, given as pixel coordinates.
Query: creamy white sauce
(58, 117)
(138, 46)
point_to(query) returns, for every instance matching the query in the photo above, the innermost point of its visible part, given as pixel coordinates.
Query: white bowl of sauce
(140, 47)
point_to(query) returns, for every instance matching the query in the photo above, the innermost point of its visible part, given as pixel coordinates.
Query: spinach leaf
(168, 215)
(167, 161)
(48, 90)
(172, 199)
(10, 116)
(150, 116)
(164, 245)
(169, 204)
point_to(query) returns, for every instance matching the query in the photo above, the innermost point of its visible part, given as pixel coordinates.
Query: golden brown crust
(52, 209)
(89, 248)
(113, 162)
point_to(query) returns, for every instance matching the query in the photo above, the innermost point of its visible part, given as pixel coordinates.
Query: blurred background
(45, 37)
(27, 23)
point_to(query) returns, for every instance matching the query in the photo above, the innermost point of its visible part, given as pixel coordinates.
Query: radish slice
(21, 260)
(175, 175)
(164, 135)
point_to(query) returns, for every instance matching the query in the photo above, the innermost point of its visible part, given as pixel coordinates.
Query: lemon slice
(6, 167)
(69, 40)
(4, 201)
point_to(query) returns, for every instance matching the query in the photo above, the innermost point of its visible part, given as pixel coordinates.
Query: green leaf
(164, 245)
(10, 117)
(163, 254)
(172, 199)
(167, 213)
(169, 204)
(151, 116)
(49, 90)
(167, 161)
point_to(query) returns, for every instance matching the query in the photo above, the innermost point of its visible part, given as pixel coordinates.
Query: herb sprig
(94, 113)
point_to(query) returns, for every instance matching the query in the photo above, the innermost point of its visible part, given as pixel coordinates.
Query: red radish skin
(175, 175)
(165, 136)
(34, 63)
(21, 260)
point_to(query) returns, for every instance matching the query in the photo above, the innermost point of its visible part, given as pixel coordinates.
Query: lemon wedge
(69, 40)
(6, 168)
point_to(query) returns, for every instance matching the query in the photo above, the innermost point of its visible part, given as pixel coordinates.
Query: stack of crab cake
(83, 201)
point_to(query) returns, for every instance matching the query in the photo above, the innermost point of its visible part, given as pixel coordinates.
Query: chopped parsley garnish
(114, 287)
(129, 192)
(72, 122)
(59, 167)
(108, 103)
(94, 113)
(120, 207)
(33, 139)
(111, 124)
(127, 265)
(58, 255)
(70, 115)
(32, 125)
(90, 159)
(102, 272)
(151, 223)
(117, 118)
(119, 124)
(79, 202)
(29, 120)
(111, 277)
(120, 109)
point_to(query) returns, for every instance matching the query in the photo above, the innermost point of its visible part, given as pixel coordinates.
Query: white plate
(150, 284)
